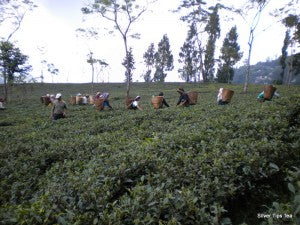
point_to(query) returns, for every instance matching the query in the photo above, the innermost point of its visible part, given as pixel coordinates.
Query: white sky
(52, 25)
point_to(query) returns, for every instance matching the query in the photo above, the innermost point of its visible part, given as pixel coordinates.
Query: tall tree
(93, 62)
(149, 60)
(199, 50)
(52, 70)
(292, 22)
(197, 17)
(213, 29)
(230, 55)
(163, 59)
(12, 13)
(13, 65)
(122, 13)
(188, 57)
(128, 62)
(258, 6)
(197, 14)
(284, 54)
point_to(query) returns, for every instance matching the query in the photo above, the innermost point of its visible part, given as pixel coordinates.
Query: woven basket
(91, 100)
(99, 103)
(157, 102)
(128, 101)
(46, 100)
(73, 100)
(269, 92)
(193, 97)
(79, 100)
(227, 95)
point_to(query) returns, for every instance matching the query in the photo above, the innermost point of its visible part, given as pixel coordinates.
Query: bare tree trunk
(93, 71)
(250, 43)
(5, 86)
(201, 70)
(228, 77)
(255, 21)
(127, 67)
(290, 71)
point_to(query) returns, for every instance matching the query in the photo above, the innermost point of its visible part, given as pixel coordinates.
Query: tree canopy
(13, 65)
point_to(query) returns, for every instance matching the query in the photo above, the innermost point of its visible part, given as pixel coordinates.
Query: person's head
(137, 98)
(180, 90)
(58, 96)
(98, 93)
(105, 95)
(161, 94)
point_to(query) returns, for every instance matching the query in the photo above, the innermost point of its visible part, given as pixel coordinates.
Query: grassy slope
(175, 165)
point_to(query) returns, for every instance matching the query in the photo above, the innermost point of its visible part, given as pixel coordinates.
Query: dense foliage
(230, 56)
(214, 30)
(203, 164)
(13, 65)
(188, 57)
(163, 59)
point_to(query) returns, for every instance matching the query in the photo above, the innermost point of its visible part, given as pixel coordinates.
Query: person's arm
(52, 111)
(109, 106)
(165, 102)
(179, 100)
(183, 103)
(65, 110)
(129, 106)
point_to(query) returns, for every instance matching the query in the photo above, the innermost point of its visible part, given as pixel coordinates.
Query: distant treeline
(261, 72)
(267, 72)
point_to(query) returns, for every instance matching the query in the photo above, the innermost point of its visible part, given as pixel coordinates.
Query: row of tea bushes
(199, 165)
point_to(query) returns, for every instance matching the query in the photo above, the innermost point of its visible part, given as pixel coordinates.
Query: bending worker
(183, 98)
(164, 102)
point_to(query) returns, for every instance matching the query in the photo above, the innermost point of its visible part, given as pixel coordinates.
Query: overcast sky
(52, 27)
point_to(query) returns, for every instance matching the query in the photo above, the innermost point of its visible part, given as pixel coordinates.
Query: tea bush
(204, 164)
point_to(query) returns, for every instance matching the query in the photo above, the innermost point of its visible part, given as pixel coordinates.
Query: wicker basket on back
(157, 101)
(227, 95)
(99, 103)
(91, 100)
(73, 100)
(269, 92)
(79, 100)
(193, 96)
(45, 100)
(128, 101)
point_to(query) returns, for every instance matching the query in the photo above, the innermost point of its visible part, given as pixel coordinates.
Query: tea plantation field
(204, 164)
